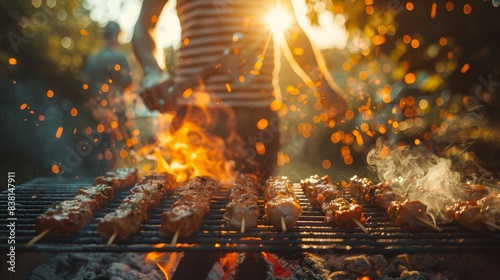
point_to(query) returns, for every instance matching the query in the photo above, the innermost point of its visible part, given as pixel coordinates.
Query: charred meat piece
(282, 206)
(472, 191)
(119, 178)
(242, 202)
(65, 217)
(358, 186)
(125, 221)
(343, 213)
(310, 183)
(327, 193)
(405, 213)
(187, 212)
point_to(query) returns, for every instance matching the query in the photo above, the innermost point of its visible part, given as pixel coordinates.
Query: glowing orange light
(465, 68)
(349, 114)
(117, 67)
(262, 124)
(41, 118)
(410, 6)
(433, 10)
(348, 160)
(450, 6)
(415, 43)
(23, 106)
(407, 38)
(228, 87)
(74, 112)
(105, 88)
(123, 153)
(12, 61)
(84, 32)
(261, 148)
(369, 10)
(443, 41)
(59, 132)
(410, 78)
(50, 93)
(467, 9)
(378, 40)
(55, 168)
(104, 103)
(85, 86)
(326, 164)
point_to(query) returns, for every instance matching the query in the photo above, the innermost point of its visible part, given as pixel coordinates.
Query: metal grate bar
(310, 234)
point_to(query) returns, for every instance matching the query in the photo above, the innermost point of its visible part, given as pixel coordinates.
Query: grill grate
(311, 234)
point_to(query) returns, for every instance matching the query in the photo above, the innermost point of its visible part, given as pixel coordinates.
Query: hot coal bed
(312, 249)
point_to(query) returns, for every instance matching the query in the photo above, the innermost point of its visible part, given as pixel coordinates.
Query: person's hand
(159, 92)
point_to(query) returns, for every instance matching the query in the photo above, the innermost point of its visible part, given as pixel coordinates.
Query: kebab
(242, 210)
(282, 206)
(476, 214)
(333, 201)
(119, 178)
(405, 213)
(127, 219)
(71, 215)
(186, 213)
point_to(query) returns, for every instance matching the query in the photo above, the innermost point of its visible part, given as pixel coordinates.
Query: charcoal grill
(311, 234)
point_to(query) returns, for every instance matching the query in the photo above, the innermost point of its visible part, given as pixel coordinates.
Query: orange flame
(166, 266)
(229, 263)
(187, 152)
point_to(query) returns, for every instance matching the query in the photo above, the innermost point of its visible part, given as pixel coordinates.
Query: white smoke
(425, 176)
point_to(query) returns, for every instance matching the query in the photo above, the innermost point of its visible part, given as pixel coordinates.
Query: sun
(278, 20)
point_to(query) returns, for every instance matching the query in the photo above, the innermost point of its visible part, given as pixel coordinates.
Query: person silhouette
(226, 72)
(108, 77)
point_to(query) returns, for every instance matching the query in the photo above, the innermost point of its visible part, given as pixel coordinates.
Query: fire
(187, 152)
(165, 262)
(229, 263)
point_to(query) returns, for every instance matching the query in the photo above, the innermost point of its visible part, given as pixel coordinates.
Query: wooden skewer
(176, 236)
(492, 225)
(112, 238)
(38, 237)
(429, 224)
(283, 224)
(361, 226)
(242, 225)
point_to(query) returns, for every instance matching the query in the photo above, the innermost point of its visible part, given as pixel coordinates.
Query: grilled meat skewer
(186, 213)
(331, 198)
(242, 210)
(71, 215)
(405, 213)
(127, 219)
(282, 206)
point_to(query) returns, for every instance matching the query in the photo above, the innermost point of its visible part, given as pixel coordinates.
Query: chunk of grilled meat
(187, 212)
(127, 219)
(243, 202)
(281, 202)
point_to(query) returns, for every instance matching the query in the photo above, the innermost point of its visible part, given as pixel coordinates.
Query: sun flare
(278, 20)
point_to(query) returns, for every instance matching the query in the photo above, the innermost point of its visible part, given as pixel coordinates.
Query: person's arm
(158, 91)
(313, 65)
(143, 41)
